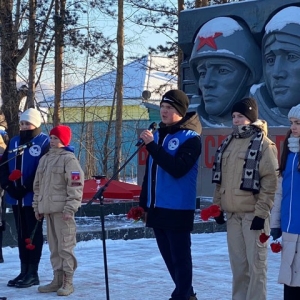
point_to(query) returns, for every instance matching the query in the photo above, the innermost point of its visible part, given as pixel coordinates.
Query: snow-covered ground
(136, 271)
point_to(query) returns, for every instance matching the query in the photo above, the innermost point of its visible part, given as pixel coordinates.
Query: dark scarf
(250, 177)
(27, 135)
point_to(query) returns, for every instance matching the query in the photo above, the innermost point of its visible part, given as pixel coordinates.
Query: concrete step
(116, 224)
(119, 227)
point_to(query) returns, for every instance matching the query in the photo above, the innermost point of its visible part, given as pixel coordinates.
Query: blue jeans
(175, 248)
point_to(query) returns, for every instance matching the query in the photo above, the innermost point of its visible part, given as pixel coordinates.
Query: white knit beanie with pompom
(294, 112)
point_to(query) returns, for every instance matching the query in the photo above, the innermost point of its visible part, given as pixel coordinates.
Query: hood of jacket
(59, 151)
(261, 124)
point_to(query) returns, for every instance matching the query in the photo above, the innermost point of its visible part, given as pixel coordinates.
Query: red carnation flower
(276, 247)
(136, 213)
(205, 214)
(211, 211)
(263, 237)
(15, 175)
(30, 246)
(28, 241)
(214, 210)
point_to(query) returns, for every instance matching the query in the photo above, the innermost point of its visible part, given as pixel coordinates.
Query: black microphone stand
(19, 152)
(99, 196)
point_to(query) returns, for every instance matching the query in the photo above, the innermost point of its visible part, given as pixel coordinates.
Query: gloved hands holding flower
(276, 233)
(276, 246)
(136, 213)
(16, 192)
(15, 175)
(220, 219)
(213, 211)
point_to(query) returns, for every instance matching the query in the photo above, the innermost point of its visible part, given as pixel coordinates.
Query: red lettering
(279, 139)
(210, 147)
(143, 153)
(209, 144)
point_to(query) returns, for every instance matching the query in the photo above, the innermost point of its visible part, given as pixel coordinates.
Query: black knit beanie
(178, 99)
(246, 107)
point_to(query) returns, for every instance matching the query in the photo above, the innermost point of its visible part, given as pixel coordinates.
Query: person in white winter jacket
(285, 219)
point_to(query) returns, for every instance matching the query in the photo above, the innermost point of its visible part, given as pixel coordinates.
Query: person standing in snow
(20, 193)
(58, 189)
(3, 141)
(245, 173)
(285, 219)
(168, 193)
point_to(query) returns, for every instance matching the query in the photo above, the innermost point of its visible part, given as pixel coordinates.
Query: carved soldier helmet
(287, 22)
(225, 37)
(282, 32)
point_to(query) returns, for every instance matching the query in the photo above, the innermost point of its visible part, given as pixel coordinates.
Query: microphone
(21, 147)
(152, 127)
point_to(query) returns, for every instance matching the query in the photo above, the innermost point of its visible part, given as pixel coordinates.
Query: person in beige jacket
(58, 189)
(245, 173)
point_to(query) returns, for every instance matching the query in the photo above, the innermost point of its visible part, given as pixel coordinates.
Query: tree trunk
(90, 164)
(180, 53)
(59, 47)
(119, 80)
(106, 151)
(32, 62)
(10, 57)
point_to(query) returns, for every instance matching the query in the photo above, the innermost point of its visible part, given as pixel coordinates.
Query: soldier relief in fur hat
(178, 99)
(246, 107)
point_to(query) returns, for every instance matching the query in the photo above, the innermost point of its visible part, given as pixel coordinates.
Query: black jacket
(177, 166)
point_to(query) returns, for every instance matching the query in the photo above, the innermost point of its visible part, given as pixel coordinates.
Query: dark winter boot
(24, 269)
(291, 292)
(55, 284)
(31, 278)
(193, 297)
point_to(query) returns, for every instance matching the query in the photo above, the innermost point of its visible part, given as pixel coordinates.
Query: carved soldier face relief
(226, 62)
(281, 58)
(282, 69)
(220, 82)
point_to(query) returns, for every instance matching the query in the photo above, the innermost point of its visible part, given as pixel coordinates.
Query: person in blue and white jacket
(168, 193)
(285, 219)
(20, 191)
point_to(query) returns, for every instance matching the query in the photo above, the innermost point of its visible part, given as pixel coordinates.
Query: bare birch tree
(32, 61)
(119, 87)
(59, 20)
(11, 55)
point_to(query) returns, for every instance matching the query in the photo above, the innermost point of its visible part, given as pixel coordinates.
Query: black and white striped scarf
(250, 177)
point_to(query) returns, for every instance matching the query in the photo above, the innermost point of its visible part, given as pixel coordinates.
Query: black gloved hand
(16, 192)
(28, 182)
(3, 226)
(220, 219)
(276, 233)
(257, 223)
(5, 184)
